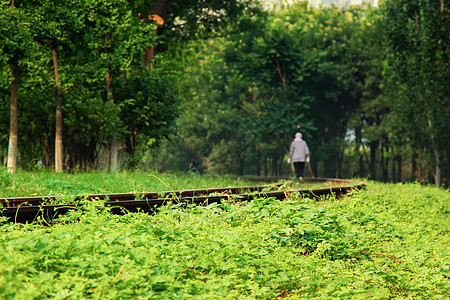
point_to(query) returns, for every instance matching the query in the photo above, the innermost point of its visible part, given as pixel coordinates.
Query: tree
(56, 27)
(418, 38)
(299, 68)
(275, 64)
(13, 37)
(117, 40)
(96, 49)
(370, 121)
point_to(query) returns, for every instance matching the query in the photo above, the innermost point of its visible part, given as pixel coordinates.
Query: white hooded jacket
(299, 149)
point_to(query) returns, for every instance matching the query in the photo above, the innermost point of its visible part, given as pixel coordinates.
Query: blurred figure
(299, 154)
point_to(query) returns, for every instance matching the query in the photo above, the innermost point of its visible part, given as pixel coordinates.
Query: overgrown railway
(28, 209)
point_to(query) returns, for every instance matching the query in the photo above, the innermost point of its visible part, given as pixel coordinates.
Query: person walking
(299, 154)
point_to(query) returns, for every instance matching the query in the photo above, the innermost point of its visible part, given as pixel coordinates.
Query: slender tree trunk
(265, 165)
(384, 162)
(358, 154)
(274, 165)
(47, 151)
(149, 53)
(373, 159)
(393, 166)
(437, 155)
(399, 168)
(279, 162)
(59, 116)
(114, 150)
(114, 153)
(13, 131)
(414, 165)
(114, 145)
(258, 164)
(159, 8)
(338, 161)
(438, 171)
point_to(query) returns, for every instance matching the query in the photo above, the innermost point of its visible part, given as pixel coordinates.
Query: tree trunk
(438, 172)
(274, 165)
(47, 151)
(265, 166)
(13, 131)
(338, 161)
(358, 140)
(279, 164)
(384, 162)
(159, 8)
(437, 155)
(114, 146)
(258, 164)
(59, 116)
(393, 167)
(114, 153)
(373, 159)
(149, 53)
(414, 165)
(399, 168)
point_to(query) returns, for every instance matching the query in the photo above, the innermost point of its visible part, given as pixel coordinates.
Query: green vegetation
(26, 184)
(95, 63)
(46, 183)
(220, 87)
(389, 241)
(419, 75)
(224, 85)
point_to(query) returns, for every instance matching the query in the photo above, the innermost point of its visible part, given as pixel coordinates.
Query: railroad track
(26, 209)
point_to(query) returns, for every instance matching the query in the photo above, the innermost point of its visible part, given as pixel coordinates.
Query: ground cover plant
(388, 241)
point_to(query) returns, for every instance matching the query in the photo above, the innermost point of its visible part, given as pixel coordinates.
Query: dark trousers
(299, 167)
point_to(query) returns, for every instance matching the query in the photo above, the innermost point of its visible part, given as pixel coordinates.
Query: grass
(389, 241)
(46, 183)
(49, 183)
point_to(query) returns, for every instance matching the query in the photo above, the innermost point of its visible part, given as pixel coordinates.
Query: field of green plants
(389, 241)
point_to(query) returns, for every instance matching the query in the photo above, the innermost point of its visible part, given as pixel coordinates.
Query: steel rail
(120, 204)
(39, 200)
(275, 179)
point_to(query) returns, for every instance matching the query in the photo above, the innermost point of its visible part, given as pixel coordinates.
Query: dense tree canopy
(324, 72)
(222, 86)
(94, 54)
(420, 63)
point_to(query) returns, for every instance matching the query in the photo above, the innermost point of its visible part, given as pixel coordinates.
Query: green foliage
(196, 18)
(367, 87)
(116, 38)
(275, 74)
(5, 178)
(47, 183)
(93, 39)
(387, 242)
(418, 76)
(4, 126)
(328, 73)
(148, 110)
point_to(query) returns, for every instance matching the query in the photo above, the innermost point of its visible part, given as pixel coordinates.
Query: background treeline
(94, 83)
(223, 86)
